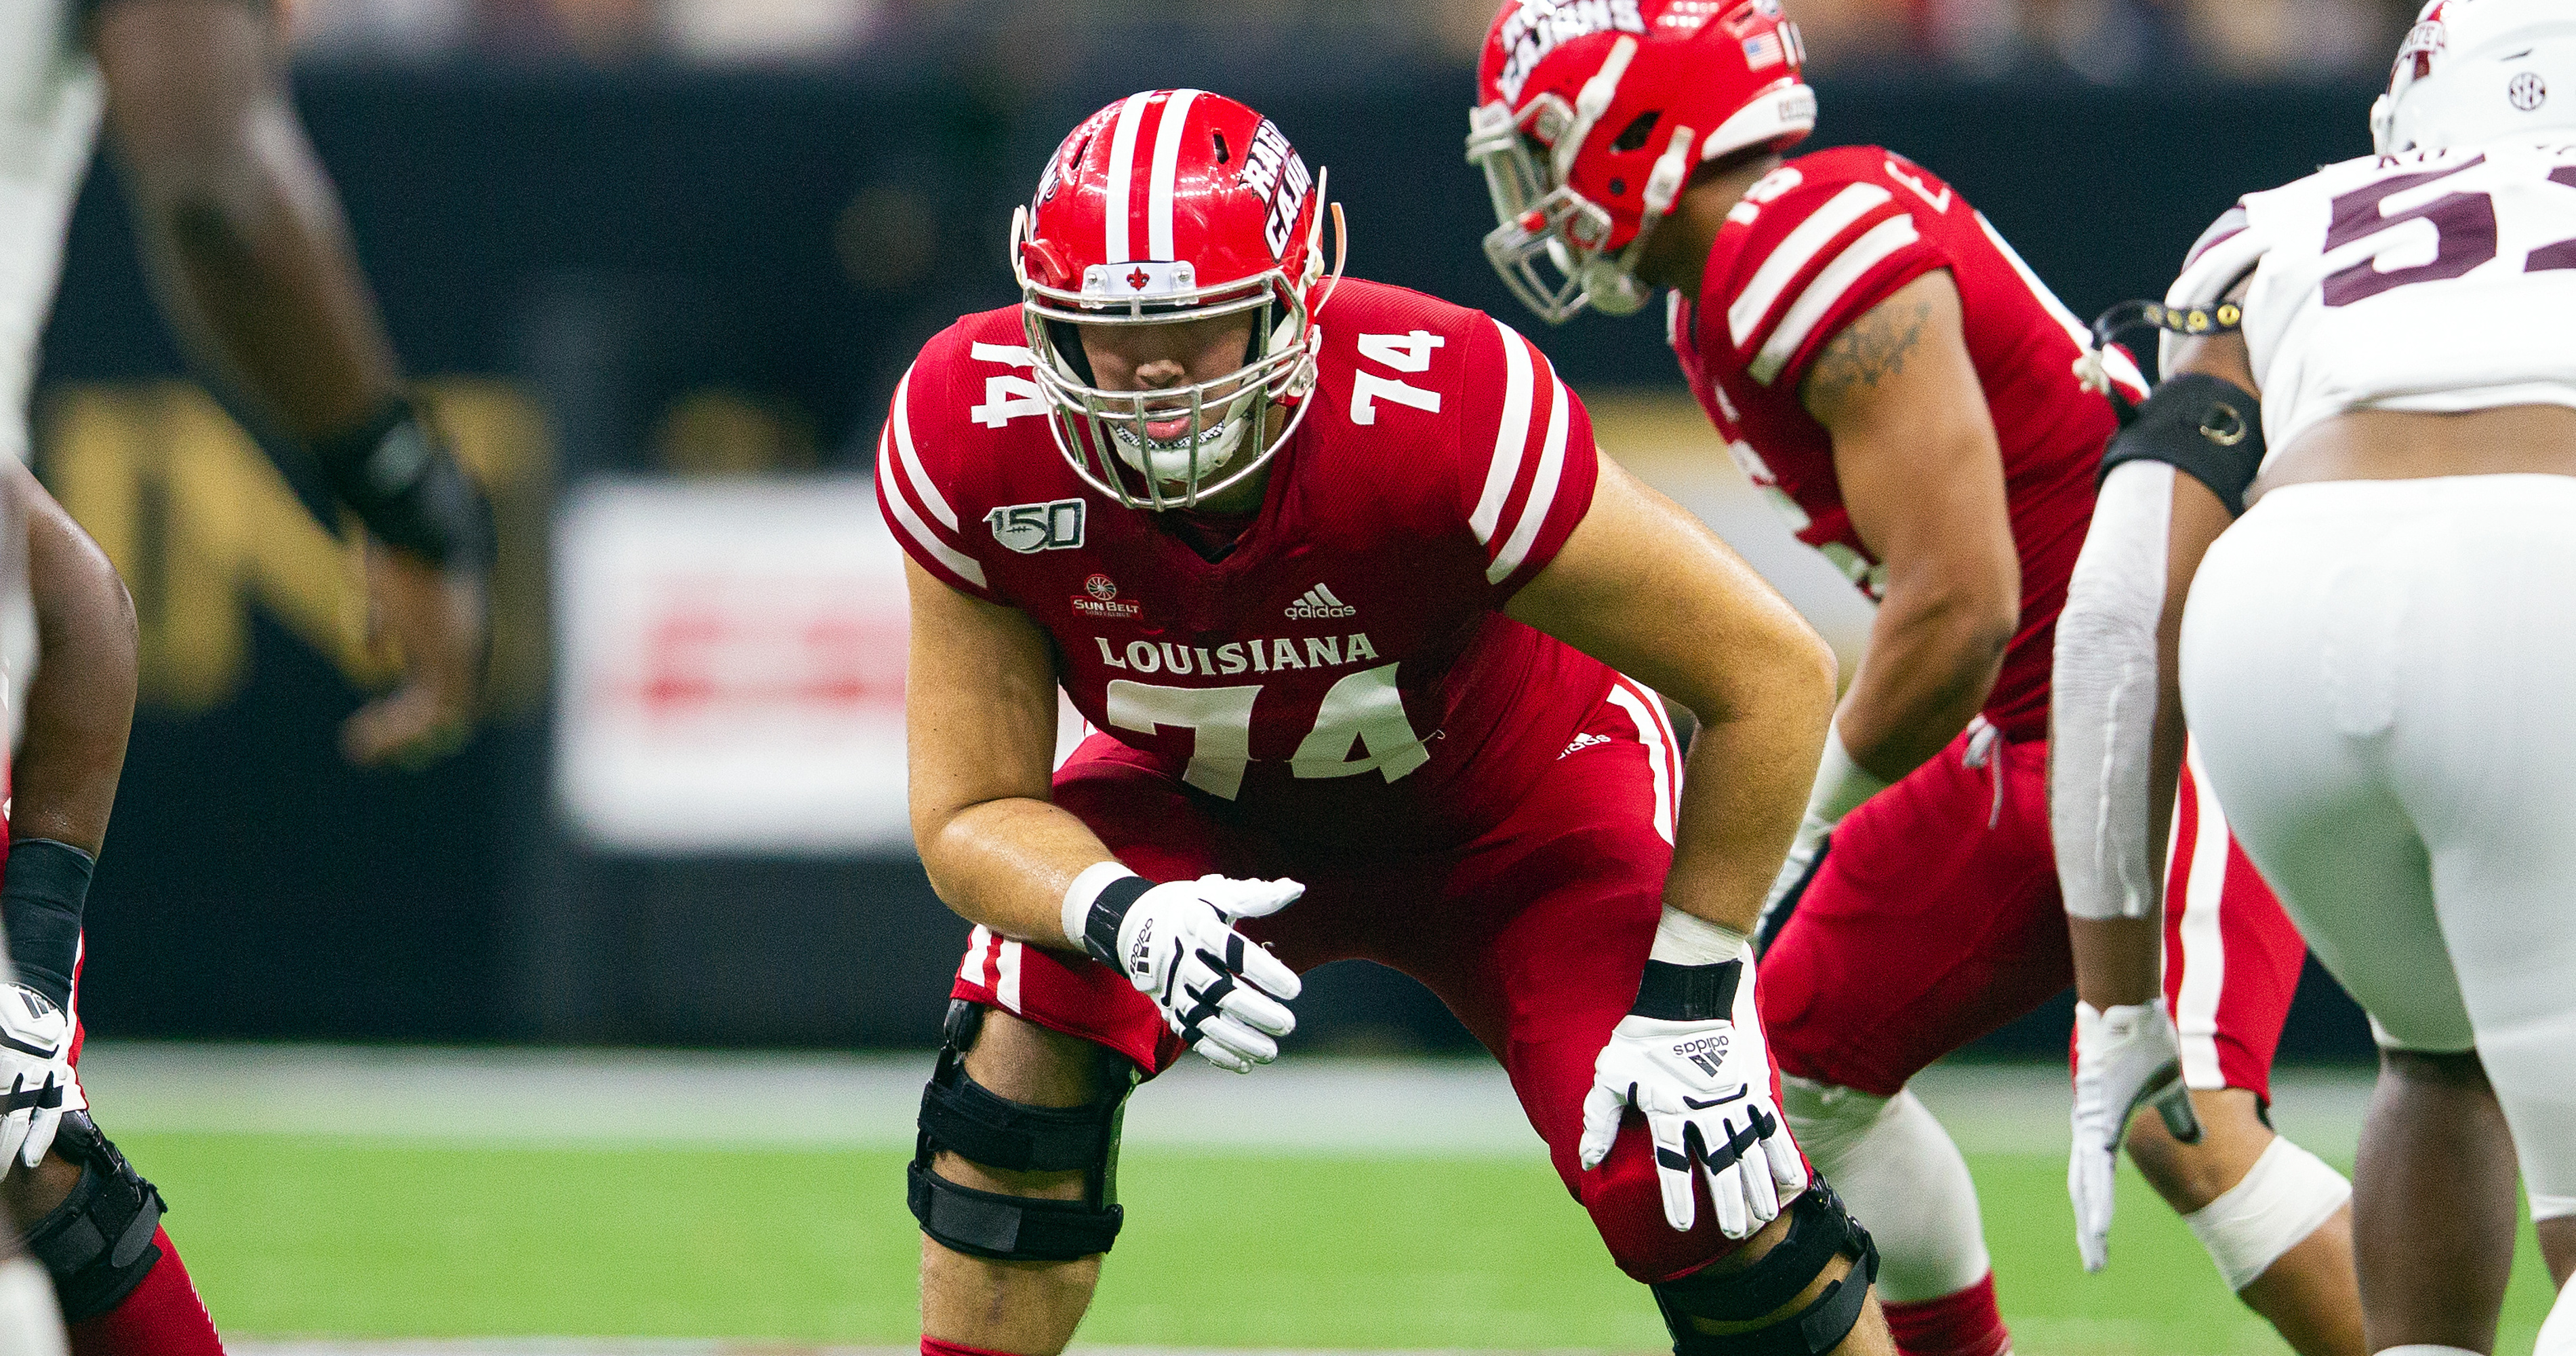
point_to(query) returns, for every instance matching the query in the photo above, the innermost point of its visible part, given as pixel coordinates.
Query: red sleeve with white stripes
(1527, 464)
(917, 481)
(1819, 257)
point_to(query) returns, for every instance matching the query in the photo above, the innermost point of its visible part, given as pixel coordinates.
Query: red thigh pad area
(1934, 919)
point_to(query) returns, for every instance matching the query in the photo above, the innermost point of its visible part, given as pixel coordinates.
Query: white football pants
(2381, 680)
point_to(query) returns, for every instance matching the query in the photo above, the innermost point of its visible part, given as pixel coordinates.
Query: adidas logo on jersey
(1584, 741)
(1319, 604)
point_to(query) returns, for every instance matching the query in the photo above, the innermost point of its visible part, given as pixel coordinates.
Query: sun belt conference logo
(1103, 600)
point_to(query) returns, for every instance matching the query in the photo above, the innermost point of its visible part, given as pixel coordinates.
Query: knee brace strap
(98, 1243)
(1009, 1228)
(2286, 1196)
(983, 1127)
(970, 1120)
(1819, 1230)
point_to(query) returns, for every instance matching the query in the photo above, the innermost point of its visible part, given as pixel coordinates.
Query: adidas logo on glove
(1319, 604)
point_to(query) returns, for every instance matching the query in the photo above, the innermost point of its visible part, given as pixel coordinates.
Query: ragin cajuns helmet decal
(1591, 115)
(1172, 206)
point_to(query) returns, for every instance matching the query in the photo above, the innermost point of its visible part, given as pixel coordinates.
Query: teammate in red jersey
(1336, 572)
(68, 652)
(1890, 373)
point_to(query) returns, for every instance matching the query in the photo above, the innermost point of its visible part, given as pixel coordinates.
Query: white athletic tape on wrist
(1688, 939)
(30, 1322)
(2286, 1196)
(1841, 784)
(1086, 888)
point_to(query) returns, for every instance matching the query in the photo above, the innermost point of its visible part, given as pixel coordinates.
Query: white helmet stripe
(1122, 179)
(1167, 163)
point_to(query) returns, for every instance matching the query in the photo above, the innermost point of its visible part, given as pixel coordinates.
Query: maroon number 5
(2464, 234)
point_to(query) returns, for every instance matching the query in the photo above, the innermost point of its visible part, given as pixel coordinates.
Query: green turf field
(381, 1237)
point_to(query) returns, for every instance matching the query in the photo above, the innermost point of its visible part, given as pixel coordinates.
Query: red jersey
(1812, 248)
(1345, 672)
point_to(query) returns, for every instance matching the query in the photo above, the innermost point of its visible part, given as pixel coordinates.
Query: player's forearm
(80, 706)
(244, 231)
(1746, 786)
(257, 272)
(2115, 740)
(1007, 864)
(1932, 660)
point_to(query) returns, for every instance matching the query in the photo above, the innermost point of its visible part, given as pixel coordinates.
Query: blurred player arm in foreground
(979, 726)
(2176, 479)
(79, 708)
(256, 273)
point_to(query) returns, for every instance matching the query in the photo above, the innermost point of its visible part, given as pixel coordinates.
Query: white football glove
(2126, 1057)
(1225, 994)
(1703, 1083)
(36, 1067)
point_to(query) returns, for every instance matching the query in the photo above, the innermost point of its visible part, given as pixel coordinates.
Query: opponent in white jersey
(2375, 657)
(257, 275)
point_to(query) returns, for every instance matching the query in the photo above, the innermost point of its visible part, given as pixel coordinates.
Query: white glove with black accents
(1690, 1057)
(1225, 994)
(2126, 1057)
(36, 1068)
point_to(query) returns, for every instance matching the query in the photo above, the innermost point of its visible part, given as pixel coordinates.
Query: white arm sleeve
(2105, 698)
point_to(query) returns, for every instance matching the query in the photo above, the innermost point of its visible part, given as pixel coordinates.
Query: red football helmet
(1591, 115)
(1172, 206)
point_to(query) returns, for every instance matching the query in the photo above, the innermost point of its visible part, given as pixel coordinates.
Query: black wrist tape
(1688, 993)
(1108, 910)
(41, 897)
(409, 489)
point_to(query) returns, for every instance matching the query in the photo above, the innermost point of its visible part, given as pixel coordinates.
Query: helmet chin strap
(1611, 285)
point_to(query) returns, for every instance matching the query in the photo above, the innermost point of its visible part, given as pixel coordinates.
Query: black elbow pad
(2207, 427)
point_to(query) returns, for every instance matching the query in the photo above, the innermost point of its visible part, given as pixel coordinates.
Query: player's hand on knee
(1224, 993)
(1691, 1059)
(36, 1070)
(2126, 1058)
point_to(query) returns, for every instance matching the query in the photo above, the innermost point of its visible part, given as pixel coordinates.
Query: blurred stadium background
(610, 1026)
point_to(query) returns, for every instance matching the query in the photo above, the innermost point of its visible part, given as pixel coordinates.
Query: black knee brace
(98, 1243)
(973, 1122)
(1819, 1230)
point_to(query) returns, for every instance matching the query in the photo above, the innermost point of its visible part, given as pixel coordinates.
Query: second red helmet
(1590, 116)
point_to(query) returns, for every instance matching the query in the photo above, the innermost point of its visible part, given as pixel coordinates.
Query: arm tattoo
(1869, 350)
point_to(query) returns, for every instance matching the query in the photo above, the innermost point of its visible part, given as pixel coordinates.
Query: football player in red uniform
(1888, 371)
(68, 657)
(1371, 638)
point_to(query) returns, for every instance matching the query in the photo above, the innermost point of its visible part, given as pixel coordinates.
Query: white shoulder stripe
(901, 422)
(958, 561)
(1829, 288)
(1167, 163)
(1542, 495)
(1122, 177)
(1793, 255)
(1509, 440)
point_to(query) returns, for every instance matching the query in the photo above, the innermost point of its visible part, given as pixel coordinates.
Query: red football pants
(1935, 918)
(1535, 934)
